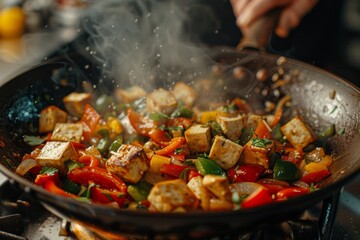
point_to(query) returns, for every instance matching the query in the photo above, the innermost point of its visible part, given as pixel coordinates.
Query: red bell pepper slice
(173, 170)
(159, 137)
(50, 183)
(180, 121)
(99, 176)
(243, 106)
(89, 160)
(262, 131)
(104, 196)
(53, 188)
(259, 197)
(90, 120)
(193, 173)
(291, 192)
(174, 144)
(245, 173)
(315, 177)
(177, 156)
(78, 146)
(141, 124)
(277, 117)
(41, 179)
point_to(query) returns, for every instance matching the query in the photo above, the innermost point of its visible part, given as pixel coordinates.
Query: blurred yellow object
(12, 22)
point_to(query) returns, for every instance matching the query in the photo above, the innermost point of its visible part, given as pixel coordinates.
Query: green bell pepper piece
(104, 142)
(139, 191)
(207, 166)
(116, 144)
(287, 171)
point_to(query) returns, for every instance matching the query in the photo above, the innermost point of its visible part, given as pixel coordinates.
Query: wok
(22, 98)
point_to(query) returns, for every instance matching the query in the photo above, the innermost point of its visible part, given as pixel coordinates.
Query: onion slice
(25, 166)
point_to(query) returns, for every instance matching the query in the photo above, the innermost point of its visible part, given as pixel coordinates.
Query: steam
(144, 42)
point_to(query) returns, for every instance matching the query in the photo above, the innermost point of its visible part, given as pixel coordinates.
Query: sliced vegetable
(89, 160)
(245, 173)
(259, 197)
(291, 192)
(207, 166)
(173, 170)
(139, 191)
(33, 140)
(141, 124)
(287, 171)
(174, 144)
(90, 119)
(99, 176)
(315, 177)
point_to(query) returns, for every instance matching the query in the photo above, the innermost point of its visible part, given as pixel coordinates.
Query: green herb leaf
(73, 164)
(178, 150)
(183, 112)
(260, 142)
(33, 140)
(49, 170)
(157, 116)
(71, 187)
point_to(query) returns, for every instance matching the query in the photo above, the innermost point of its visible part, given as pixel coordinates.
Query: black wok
(24, 96)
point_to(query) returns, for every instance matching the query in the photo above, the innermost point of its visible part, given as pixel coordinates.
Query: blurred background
(328, 37)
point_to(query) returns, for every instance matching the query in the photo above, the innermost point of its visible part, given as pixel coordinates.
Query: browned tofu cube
(49, 116)
(198, 138)
(196, 186)
(162, 101)
(184, 93)
(297, 133)
(257, 155)
(231, 126)
(130, 94)
(75, 103)
(67, 132)
(225, 152)
(218, 185)
(129, 163)
(55, 154)
(168, 195)
(253, 120)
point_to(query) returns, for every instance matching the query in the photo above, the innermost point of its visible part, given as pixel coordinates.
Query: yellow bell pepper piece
(207, 116)
(315, 167)
(157, 162)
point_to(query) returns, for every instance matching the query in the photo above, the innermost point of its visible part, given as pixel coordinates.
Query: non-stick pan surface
(319, 97)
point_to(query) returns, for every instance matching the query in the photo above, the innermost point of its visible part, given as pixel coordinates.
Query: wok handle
(328, 215)
(257, 34)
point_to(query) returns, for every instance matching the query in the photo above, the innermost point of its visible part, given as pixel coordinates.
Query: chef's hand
(247, 11)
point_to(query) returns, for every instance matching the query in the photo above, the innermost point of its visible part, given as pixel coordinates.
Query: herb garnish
(260, 142)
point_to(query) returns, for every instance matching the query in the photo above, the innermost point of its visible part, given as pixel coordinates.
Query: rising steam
(144, 41)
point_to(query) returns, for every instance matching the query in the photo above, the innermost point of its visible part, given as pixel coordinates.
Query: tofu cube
(231, 126)
(257, 155)
(75, 103)
(198, 138)
(225, 152)
(67, 132)
(49, 116)
(168, 195)
(161, 101)
(184, 93)
(55, 154)
(130, 94)
(253, 120)
(129, 163)
(297, 133)
(196, 186)
(218, 186)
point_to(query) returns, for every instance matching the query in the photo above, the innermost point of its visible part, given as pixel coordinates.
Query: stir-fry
(157, 151)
